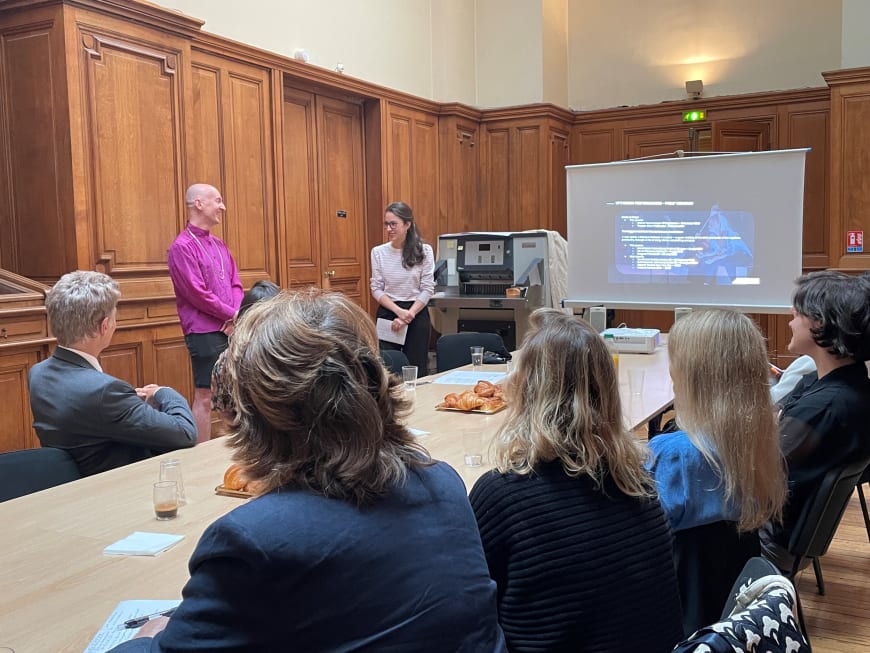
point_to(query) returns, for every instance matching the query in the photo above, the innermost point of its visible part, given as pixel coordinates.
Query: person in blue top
(357, 540)
(725, 464)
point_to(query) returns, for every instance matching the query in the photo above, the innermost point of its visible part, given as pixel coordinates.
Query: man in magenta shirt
(208, 293)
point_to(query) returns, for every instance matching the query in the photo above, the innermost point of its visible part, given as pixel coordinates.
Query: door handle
(329, 273)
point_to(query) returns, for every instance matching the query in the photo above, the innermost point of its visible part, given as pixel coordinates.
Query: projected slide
(667, 239)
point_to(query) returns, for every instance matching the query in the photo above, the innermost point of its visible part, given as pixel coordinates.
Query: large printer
(473, 274)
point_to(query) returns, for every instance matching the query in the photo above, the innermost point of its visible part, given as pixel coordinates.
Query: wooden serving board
(473, 410)
(226, 492)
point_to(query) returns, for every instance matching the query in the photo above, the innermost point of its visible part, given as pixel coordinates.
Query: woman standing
(573, 533)
(403, 282)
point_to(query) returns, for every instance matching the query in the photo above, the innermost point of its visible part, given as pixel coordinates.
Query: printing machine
(473, 273)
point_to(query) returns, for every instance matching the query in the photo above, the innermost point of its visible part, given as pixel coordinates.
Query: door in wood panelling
(460, 175)
(132, 105)
(528, 176)
(342, 196)
(229, 145)
(324, 194)
(740, 136)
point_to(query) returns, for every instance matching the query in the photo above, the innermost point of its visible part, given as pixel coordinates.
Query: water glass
(170, 470)
(409, 375)
(476, 357)
(472, 447)
(635, 382)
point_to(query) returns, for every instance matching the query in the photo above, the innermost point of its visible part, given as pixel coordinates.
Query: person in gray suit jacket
(103, 422)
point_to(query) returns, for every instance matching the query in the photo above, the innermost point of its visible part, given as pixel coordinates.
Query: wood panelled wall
(110, 109)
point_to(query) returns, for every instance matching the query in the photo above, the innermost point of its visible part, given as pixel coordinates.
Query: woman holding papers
(402, 283)
(573, 533)
(358, 540)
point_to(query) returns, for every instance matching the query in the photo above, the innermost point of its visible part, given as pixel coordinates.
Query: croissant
(484, 389)
(234, 478)
(451, 400)
(469, 401)
(492, 404)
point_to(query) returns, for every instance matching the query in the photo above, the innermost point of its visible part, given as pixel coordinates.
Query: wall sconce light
(695, 89)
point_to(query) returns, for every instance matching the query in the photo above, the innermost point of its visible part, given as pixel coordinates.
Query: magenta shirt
(204, 300)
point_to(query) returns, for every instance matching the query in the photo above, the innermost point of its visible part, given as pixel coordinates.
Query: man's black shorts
(204, 350)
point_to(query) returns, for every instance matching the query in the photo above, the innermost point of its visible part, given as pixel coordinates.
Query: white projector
(633, 341)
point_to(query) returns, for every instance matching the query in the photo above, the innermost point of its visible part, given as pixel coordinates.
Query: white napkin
(142, 544)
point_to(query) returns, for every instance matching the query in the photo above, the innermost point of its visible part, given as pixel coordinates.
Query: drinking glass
(166, 500)
(409, 375)
(170, 470)
(472, 447)
(476, 357)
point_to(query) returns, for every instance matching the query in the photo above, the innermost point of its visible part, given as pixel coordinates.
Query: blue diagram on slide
(667, 246)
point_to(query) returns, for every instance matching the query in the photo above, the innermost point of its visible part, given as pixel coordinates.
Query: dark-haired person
(573, 532)
(221, 400)
(402, 282)
(101, 421)
(358, 540)
(824, 421)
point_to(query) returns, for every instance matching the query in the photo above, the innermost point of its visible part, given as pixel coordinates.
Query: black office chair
(32, 470)
(395, 360)
(454, 350)
(708, 559)
(865, 478)
(758, 617)
(817, 522)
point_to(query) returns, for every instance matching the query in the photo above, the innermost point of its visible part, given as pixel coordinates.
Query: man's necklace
(205, 253)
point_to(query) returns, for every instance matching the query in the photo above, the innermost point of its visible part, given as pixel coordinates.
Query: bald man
(208, 293)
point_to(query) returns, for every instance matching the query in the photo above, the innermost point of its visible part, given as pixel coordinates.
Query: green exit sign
(694, 115)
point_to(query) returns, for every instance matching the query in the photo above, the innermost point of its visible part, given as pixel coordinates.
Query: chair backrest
(32, 470)
(755, 568)
(454, 350)
(395, 360)
(708, 559)
(818, 520)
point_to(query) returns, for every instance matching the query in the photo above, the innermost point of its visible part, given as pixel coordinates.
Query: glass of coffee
(166, 500)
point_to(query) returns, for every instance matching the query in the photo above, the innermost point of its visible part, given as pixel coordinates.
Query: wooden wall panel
(556, 191)
(300, 242)
(35, 219)
(133, 108)
(229, 132)
(496, 183)
(528, 174)
(850, 164)
(412, 164)
(650, 141)
(16, 421)
(171, 361)
(460, 175)
(593, 145)
(125, 358)
(808, 126)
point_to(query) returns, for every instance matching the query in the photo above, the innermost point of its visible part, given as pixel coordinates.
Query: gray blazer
(100, 420)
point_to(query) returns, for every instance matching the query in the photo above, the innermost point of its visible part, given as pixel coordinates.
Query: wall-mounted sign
(854, 242)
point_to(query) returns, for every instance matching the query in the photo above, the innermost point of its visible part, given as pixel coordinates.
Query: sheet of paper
(469, 377)
(113, 632)
(143, 544)
(417, 433)
(386, 334)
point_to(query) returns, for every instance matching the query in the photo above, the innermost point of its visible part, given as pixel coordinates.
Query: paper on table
(387, 334)
(113, 632)
(417, 433)
(469, 377)
(142, 544)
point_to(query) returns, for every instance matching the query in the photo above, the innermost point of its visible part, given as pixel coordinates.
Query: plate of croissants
(485, 397)
(235, 484)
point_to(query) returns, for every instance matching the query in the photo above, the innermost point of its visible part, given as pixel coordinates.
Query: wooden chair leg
(864, 510)
(820, 582)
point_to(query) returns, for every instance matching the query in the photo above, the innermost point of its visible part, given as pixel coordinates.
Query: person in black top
(823, 422)
(574, 535)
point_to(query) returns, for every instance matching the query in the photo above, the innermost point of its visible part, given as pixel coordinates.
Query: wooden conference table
(56, 586)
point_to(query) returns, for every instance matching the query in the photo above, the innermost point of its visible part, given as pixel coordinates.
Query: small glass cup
(472, 447)
(166, 500)
(170, 470)
(635, 382)
(409, 376)
(476, 357)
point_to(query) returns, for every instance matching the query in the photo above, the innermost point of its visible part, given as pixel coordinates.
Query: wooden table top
(56, 586)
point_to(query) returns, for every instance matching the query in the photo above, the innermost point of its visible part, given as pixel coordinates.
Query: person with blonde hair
(573, 533)
(357, 540)
(722, 476)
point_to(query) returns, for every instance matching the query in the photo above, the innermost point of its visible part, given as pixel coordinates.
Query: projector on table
(633, 341)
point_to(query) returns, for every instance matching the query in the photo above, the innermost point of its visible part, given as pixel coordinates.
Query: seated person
(103, 422)
(823, 423)
(573, 533)
(724, 471)
(790, 377)
(221, 401)
(358, 540)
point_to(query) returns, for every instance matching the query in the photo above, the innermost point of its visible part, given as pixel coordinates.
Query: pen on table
(144, 619)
